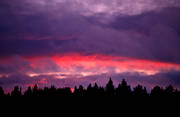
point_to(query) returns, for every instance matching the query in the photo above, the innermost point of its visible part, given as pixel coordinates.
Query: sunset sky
(72, 42)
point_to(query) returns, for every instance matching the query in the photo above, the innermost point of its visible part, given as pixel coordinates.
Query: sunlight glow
(83, 66)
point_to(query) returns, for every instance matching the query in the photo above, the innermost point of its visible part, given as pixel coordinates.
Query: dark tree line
(123, 90)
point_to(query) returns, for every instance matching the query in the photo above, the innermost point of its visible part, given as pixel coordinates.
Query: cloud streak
(63, 66)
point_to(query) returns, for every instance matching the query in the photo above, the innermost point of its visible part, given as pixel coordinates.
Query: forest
(123, 90)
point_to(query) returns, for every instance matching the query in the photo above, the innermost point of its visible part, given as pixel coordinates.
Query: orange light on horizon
(88, 65)
(119, 63)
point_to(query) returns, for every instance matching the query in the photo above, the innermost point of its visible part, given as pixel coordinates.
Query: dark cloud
(167, 16)
(28, 47)
(152, 35)
(137, 36)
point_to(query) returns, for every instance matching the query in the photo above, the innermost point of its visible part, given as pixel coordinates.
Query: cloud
(162, 79)
(90, 7)
(42, 81)
(34, 35)
(125, 35)
(63, 66)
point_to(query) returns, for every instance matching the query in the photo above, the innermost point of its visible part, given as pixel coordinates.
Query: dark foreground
(121, 100)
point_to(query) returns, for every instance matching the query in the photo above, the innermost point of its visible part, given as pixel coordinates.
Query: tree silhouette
(28, 92)
(35, 91)
(1, 92)
(79, 91)
(16, 92)
(122, 91)
(110, 88)
(101, 92)
(63, 92)
(169, 91)
(52, 91)
(139, 91)
(157, 92)
(89, 91)
(96, 90)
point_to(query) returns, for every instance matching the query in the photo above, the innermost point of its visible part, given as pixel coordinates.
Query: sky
(76, 42)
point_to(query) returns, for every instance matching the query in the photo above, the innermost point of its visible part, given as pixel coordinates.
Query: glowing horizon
(87, 65)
